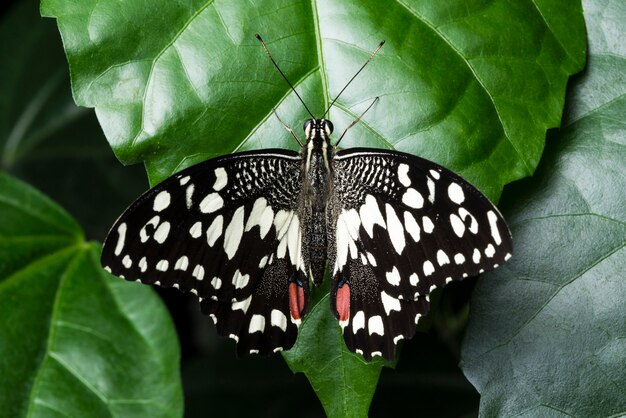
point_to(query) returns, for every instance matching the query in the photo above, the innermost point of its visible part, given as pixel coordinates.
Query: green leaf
(48, 141)
(471, 85)
(547, 335)
(342, 380)
(75, 340)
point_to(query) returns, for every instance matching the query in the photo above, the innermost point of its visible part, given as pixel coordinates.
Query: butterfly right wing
(228, 231)
(402, 226)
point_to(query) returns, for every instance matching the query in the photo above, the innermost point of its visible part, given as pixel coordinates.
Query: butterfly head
(317, 131)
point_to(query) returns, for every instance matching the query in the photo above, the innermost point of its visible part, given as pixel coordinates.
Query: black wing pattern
(401, 227)
(227, 230)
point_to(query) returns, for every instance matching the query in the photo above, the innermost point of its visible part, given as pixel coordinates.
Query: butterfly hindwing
(401, 227)
(228, 231)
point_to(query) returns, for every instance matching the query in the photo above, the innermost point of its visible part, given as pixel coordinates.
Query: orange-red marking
(296, 300)
(343, 302)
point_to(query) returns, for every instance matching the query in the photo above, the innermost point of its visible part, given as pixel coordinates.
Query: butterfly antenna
(353, 77)
(354, 122)
(267, 51)
(288, 128)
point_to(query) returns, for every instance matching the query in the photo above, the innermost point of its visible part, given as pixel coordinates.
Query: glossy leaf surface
(75, 340)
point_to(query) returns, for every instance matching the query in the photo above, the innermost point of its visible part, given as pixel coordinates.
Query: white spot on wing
(414, 279)
(395, 229)
(215, 230)
(278, 319)
(459, 258)
(198, 272)
(161, 201)
(121, 238)
(375, 325)
(493, 225)
(413, 198)
(127, 262)
(442, 258)
(434, 174)
(160, 235)
(476, 256)
(143, 264)
(455, 193)
(403, 175)
(184, 180)
(490, 251)
(389, 303)
(428, 224)
(216, 282)
(457, 225)
(371, 259)
(358, 322)
(221, 178)
(346, 233)
(431, 190)
(211, 203)
(370, 215)
(163, 265)
(257, 324)
(182, 263)
(240, 280)
(256, 215)
(473, 225)
(411, 226)
(393, 277)
(189, 195)
(196, 230)
(143, 233)
(428, 268)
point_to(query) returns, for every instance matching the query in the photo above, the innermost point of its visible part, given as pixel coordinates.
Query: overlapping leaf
(73, 340)
(547, 335)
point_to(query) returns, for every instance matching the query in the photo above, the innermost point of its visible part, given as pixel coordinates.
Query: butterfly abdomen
(315, 195)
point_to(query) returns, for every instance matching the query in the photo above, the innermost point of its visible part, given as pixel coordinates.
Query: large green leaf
(547, 335)
(73, 340)
(471, 85)
(46, 139)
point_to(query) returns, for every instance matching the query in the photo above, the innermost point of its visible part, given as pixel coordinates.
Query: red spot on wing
(296, 300)
(342, 302)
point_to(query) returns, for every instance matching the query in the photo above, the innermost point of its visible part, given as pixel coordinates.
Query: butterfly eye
(328, 127)
(308, 124)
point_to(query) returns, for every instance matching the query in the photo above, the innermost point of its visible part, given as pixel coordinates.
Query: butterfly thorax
(317, 172)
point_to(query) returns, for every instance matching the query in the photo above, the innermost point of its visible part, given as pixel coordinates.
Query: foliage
(471, 85)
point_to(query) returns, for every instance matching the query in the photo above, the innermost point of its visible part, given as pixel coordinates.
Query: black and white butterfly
(248, 232)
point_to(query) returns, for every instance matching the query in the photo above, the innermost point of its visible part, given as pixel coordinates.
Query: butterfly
(250, 232)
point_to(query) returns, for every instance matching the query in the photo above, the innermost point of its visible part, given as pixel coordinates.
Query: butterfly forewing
(402, 226)
(228, 231)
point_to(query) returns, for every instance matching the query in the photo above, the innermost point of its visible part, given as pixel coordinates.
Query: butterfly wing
(228, 231)
(402, 226)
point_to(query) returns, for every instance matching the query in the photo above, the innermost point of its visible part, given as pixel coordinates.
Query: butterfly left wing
(401, 226)
(228, 231)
